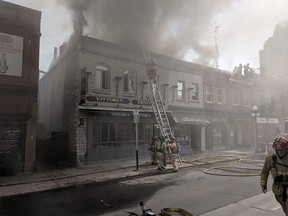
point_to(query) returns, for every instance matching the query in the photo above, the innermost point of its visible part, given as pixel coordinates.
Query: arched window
(102, 77)
(129, 82)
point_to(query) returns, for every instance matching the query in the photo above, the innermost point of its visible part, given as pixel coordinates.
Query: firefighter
(172, 153)
(160, 153)
(278, 165)
(153, 71)
(152, 149)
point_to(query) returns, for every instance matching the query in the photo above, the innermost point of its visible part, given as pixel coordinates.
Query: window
(129, 82)
(208, 94)
(101, 77)
(219, 95)
(245, 99)
(194, 92)
(180, 90)
(236, 97)
(217, 136)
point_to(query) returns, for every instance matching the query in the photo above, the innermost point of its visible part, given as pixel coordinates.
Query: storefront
(190, 131)
(111, 133)
(19, 74)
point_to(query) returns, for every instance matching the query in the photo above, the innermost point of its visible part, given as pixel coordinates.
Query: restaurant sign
(107, 99)
(142, 102)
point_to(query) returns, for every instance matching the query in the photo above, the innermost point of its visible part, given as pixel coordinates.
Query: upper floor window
(101, 77)
(236, 97)
(245, 99)
(129, 82)
(194, 92)
(180, 90)
(219, 95)
(208, 94)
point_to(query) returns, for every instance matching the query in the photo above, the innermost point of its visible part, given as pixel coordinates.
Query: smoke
(169, 27)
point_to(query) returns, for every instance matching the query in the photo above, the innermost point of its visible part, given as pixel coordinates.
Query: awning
(117, 112)
(191, 120)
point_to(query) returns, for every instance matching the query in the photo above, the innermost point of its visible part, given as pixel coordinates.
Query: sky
(183, 29)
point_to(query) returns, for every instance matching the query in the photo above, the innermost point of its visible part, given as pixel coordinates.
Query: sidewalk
(24, 183)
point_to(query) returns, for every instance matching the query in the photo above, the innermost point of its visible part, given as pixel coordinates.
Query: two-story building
(19, 74)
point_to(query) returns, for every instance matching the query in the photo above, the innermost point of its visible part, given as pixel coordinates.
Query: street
(190, 189)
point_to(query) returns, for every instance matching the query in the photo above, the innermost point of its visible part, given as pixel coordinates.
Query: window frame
(182, 91)
(208, 93)
(196, 85)
(219, 98)
(131, 73)
(102, 72)
(236, 94)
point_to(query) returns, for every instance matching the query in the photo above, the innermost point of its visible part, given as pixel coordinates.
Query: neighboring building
(274, 55)
(19, 74)
(186, 104)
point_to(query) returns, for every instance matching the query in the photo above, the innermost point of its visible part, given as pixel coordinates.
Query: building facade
(19, 74)
(95, 89)
(274, 55)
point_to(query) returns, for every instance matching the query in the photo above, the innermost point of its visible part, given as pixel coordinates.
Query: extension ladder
(157, 102)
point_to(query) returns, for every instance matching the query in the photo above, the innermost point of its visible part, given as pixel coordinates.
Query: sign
(11, 54)
(107, 99)
(124, 114)
(9, 139)
(261, 120)
(142, 102)
(273, 120)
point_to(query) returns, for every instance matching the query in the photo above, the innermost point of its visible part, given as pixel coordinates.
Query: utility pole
(216, 46)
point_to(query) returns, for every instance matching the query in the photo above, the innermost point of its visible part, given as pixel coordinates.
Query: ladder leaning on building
(156, 100)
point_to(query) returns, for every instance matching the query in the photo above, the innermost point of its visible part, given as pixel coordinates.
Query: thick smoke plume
(169, 27)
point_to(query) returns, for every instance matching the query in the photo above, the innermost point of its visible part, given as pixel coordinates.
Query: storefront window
(217, 136)
(104, 132)
(112, 133)
(96, 131)
(140, 131)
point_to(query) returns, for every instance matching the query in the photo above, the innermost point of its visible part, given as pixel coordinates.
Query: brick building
(94, 87)
(19, 74)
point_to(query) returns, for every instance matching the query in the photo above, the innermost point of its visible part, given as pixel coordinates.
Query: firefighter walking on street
(172, 153)
(277, 164)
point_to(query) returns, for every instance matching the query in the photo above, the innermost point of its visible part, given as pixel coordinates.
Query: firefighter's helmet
(280, 143)
(172, 138)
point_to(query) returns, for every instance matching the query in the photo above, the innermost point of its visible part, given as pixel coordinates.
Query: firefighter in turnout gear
(277, 164)
(152, 149)
(160, 153)
(172, 153)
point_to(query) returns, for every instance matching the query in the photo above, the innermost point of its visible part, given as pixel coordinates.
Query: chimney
(62, 48)
(55, 53)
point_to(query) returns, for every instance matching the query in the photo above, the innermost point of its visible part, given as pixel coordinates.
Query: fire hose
(149, 212)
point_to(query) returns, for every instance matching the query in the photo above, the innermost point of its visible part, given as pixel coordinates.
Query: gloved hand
(264, 189)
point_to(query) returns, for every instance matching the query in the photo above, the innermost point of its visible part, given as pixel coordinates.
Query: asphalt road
(190, 189)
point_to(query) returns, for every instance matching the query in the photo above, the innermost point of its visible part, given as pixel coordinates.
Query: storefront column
(203, 141)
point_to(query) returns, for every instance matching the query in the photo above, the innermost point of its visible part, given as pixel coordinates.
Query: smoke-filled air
(200, 31)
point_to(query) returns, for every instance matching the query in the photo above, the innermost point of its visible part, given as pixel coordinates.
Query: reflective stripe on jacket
(279, 170)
